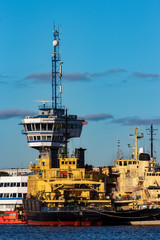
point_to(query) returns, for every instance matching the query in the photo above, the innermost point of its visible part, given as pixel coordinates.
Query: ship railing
(67, 178)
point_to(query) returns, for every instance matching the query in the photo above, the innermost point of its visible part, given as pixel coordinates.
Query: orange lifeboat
(12, 217)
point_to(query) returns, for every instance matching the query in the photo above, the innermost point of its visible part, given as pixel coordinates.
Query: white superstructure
(48, 129)
(16, 171)
(12, 190)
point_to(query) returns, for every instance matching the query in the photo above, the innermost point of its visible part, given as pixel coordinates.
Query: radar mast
(56, 72)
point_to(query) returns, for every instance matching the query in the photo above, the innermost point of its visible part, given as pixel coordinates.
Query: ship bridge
(48, 129)
(52, 127)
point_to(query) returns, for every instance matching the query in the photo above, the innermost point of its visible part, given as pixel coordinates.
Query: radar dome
(55, 43)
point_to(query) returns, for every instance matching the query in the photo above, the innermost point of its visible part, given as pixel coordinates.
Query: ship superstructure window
(34, 138)
(6, 184)
(43, 138)
(13, 184)
(50, 126)
(38, 138)
(30, 138)
(28, 127)
(120, 163)
(73, 162)
(19, 195)
(129, 162)
(6, 195)
(18, 184)
(62, 162)
(125, 163)
(49, 138)
(37, 127)
(24, 184)
(43, 126)
(13, 195)
(1, 195)
(1, 184)
(134, 162)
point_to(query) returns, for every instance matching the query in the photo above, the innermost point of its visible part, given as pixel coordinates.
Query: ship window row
(45, 138)
(11, 195)
(125, 163)
(14, 184)
(49, 126)
(153, 174)
(66, 162)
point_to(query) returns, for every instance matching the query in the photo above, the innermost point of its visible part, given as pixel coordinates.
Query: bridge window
(130, 162)
(38, 138)
(43, 126)
(43, 138)
(120, 163)
(29, 127)
(35, 138)
(50, 126)
(37, 127)
(125, 163)
(134, 162)
(62, 162)
(1, 195)
(48, 137)
(1, 184)
(18, 184)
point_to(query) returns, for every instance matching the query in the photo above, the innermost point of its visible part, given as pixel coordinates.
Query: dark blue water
(22, 232)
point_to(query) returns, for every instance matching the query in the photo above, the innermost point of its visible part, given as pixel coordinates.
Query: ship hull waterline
(94, 218)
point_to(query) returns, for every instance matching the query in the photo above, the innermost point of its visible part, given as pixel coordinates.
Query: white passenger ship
(12, 190)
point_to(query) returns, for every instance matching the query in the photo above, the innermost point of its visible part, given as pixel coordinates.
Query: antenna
(151, 130)
(118, 155)
(56, 72)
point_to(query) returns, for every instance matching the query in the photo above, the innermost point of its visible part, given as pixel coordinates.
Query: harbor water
(24, 232)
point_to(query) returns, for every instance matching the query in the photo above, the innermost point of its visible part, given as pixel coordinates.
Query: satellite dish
(55, 43)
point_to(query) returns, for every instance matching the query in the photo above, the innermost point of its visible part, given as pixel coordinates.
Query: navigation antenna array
(56, 72)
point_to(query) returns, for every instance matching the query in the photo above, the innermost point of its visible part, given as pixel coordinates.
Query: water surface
(23, 232)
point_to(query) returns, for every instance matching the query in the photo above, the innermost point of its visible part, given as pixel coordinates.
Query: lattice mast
(56, 72)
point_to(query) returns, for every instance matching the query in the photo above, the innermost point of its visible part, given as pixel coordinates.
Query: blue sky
(111, 72)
